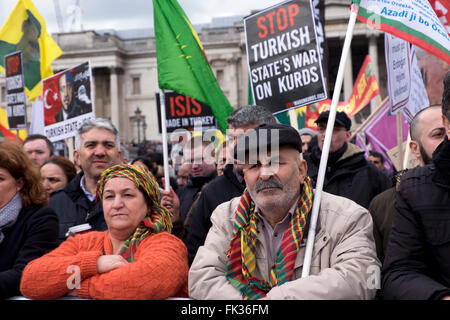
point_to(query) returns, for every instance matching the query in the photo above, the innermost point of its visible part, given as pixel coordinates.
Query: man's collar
(290, 212)
(87, 193)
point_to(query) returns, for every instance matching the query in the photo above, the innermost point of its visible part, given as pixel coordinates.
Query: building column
(114, 93)
(373, 53)
(234, 90)
(348, 76)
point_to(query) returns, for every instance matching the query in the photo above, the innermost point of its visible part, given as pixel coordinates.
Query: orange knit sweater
(159, 270)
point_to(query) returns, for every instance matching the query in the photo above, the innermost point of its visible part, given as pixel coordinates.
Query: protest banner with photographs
(283, 56)
(68, 101)
(15, 91)
(183, 112)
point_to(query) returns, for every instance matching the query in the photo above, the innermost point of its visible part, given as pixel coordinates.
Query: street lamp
(138, 112)
(144, 127)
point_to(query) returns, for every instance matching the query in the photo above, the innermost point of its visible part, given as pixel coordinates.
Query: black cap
(261, 137)
(341, 118)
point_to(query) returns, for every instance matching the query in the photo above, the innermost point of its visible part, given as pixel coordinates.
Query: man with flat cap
(256, 245)
(348, 173)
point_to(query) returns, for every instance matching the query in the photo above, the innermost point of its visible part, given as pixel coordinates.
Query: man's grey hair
(246, 115)
(100, 123)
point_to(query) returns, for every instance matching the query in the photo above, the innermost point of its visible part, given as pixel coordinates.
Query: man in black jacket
(417, 263)
(348, 173)
(231, 184)
(97, 147)
(427, 132)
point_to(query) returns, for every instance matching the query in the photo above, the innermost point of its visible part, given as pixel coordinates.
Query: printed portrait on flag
(29, 46)
(25, 31)
(67, 100)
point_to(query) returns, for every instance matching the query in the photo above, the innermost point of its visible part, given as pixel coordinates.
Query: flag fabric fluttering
(415, 22)
(381, 132)
(25, 30)
(182, 63)
(10, 135)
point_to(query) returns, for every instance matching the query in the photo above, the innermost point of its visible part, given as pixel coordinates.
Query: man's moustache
(271, 183)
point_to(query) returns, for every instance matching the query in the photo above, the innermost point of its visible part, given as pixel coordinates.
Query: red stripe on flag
(408, 37)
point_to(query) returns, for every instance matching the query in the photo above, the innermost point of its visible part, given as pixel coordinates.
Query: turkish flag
(442, 9)
(52, 102)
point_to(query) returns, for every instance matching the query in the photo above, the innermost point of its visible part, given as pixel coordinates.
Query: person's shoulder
(70, 192)
(215, 183)
(226, 210)
(40, 211)
(387, 195)
(38, 215)
(163, 238)
(417, 177)
(339, 211)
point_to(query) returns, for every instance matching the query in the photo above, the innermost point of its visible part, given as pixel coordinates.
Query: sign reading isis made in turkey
(283, 56)
(183, 112)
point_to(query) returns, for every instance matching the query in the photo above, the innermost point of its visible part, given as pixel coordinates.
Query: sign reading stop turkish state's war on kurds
(283, 56)
(183, 112)
(15, 91)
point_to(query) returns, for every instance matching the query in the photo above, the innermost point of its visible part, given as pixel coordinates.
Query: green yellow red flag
(25, 30)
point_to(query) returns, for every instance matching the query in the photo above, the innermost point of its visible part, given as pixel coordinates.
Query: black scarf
(333, 157)
(441, 160)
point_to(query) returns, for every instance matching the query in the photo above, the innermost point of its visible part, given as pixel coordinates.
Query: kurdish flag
(182, 63)
(25, 30)
(412, 21)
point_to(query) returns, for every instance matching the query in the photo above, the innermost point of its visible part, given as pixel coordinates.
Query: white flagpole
(326, 144)
(162, 100)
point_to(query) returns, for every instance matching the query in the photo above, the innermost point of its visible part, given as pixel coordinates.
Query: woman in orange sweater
(136, 258)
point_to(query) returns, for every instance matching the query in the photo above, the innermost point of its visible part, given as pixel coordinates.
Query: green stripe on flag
(378, 19)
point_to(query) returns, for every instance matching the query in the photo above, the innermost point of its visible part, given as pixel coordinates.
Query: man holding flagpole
(256, 245)
(348, 173)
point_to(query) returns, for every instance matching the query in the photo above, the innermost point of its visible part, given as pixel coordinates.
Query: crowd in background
(230, 226)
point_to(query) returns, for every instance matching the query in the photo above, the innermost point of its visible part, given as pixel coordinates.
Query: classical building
(125, 70)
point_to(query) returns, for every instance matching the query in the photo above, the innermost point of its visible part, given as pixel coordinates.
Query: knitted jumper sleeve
(59, 271)
(159, 271)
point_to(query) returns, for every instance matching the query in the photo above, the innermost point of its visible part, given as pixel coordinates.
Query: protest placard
(283, 56)
(418, 98)
(15, 91)
(183, 112)
(398, 67)
(68, 101)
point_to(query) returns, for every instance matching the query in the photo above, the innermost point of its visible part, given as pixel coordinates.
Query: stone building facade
(125, 70)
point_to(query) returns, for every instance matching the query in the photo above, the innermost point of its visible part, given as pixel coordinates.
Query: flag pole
(400, 139)
(326, 144)
(162, 100)
(407, 152)
(293, 118)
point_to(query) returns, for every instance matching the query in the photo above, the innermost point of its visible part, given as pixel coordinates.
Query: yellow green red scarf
(158, 217)
(241, 260)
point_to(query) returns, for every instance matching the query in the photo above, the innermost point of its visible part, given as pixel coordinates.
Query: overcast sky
(130, 14)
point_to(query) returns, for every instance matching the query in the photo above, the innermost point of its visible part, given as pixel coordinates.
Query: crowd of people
(234, 223)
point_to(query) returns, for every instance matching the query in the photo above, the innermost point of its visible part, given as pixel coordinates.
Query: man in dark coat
(231, 184)
(203, 170)
(348, 173)
(97, 147)
(417, 263)
(427, 132)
